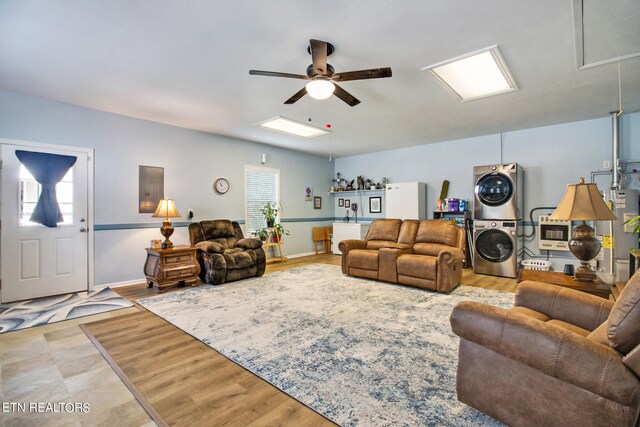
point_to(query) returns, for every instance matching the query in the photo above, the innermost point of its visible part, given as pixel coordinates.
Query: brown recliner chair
(223, 252)
(558, 358)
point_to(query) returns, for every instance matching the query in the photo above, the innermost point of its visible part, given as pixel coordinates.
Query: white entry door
(40, 261)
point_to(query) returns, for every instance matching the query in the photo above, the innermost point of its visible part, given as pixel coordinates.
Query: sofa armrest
(209, 247)
(547, 348)
(347, 245)
(450, 256)
(575, 307)
(249, 243)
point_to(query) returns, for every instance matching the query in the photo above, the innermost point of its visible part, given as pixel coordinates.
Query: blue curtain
(48, 169)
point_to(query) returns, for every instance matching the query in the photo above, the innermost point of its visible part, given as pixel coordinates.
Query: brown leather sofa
(558, 358)
(223, 252)
(427, 253)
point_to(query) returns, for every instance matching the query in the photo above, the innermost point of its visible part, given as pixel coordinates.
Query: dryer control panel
(553, 234)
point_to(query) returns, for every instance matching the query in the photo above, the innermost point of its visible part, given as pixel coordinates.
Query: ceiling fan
(322, 77)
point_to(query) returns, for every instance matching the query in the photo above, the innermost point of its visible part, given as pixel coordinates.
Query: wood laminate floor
(181, 379)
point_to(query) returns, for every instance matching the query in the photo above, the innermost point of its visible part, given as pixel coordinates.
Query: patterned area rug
(41, 311)
(359, 352)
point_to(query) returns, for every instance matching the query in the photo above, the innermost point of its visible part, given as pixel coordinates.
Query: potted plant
(270, 211)
(262, 234)
(277, 231)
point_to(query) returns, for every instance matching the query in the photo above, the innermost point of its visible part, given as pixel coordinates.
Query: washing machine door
(494, 245)
(494, 189)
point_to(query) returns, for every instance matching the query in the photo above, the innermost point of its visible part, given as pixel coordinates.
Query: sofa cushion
(218, 228)
(417, 266)
(437, 231)
(363, 259)
(623, 324)
(431, 249)
(240, 259)
(384, 229)
(408, 231)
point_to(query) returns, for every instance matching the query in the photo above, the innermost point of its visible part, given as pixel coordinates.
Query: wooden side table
(598, 288)
(166, 267)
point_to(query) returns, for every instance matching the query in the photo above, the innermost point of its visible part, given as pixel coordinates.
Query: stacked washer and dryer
(497, 219)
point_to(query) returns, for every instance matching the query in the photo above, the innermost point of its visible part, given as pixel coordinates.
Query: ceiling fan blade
(299, 94)
(374, 73)
(319, 56)
(345, 96)
(277, 74)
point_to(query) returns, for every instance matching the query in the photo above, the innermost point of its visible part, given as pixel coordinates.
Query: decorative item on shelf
(378, 186)
(453, 204)
(439, 205)
(270, 211)
(360, 182)
(155, 243)
(338, 182)
(368, 184)
(332, 189)
(167, 209)
(462, 205)
(385, 181)
(582, 202)
(350, 185)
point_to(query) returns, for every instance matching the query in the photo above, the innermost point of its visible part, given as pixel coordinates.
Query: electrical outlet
(606, 164)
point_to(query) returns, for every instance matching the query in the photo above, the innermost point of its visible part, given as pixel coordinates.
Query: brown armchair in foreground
(558, 358)
(223, 252)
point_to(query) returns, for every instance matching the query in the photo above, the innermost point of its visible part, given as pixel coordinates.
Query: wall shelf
(333, 193)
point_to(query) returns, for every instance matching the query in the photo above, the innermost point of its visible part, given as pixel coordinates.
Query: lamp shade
(166, 209)
(320, 88)
(582, 201)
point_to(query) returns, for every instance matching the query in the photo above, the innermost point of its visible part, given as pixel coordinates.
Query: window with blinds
(260, 185)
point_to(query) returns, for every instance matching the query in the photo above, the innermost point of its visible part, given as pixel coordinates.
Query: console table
(598, 288)
(166, 267)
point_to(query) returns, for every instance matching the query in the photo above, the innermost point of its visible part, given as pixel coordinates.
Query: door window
(494, 190)
(30, 192)
(494, 245)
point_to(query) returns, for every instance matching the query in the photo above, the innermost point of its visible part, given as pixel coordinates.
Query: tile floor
(58, 363)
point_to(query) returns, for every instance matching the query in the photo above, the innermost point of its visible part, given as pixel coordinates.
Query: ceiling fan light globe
(320, 89)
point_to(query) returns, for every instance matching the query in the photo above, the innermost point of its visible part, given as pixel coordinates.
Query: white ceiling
(186, 63)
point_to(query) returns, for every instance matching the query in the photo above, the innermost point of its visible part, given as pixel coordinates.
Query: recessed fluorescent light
(475, 75)
(282, 124)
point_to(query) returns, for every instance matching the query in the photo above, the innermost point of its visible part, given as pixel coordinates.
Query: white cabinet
(406, 200)
(347, 231)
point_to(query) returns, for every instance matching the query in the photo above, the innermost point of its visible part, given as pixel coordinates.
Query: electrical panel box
(553, 234)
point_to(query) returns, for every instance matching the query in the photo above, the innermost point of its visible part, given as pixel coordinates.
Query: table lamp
(583, 202)
(167, 209)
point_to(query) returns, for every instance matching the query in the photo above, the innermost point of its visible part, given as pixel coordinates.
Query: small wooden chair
(322, 235)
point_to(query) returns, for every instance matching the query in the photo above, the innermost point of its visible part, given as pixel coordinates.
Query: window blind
(261, 185)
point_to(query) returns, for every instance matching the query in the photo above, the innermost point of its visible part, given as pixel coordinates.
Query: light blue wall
(191, 161)
(552, 156)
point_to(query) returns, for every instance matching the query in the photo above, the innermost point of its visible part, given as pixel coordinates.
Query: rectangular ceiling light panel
(474, 75)
(282, 124)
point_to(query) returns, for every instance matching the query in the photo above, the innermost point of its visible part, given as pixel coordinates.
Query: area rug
(360, 352)
(41, 311)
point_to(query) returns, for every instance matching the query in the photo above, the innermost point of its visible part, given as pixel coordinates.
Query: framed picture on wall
(317, 202)
(375, 204)
(340, 203)
(347, 203)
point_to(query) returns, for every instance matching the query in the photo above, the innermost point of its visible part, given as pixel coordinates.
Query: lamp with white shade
(167, 209)
(583, 202)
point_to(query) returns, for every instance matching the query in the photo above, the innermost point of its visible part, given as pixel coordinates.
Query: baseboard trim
(125, 283)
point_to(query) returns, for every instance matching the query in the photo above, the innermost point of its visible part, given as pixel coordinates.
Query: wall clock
(221, 185)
